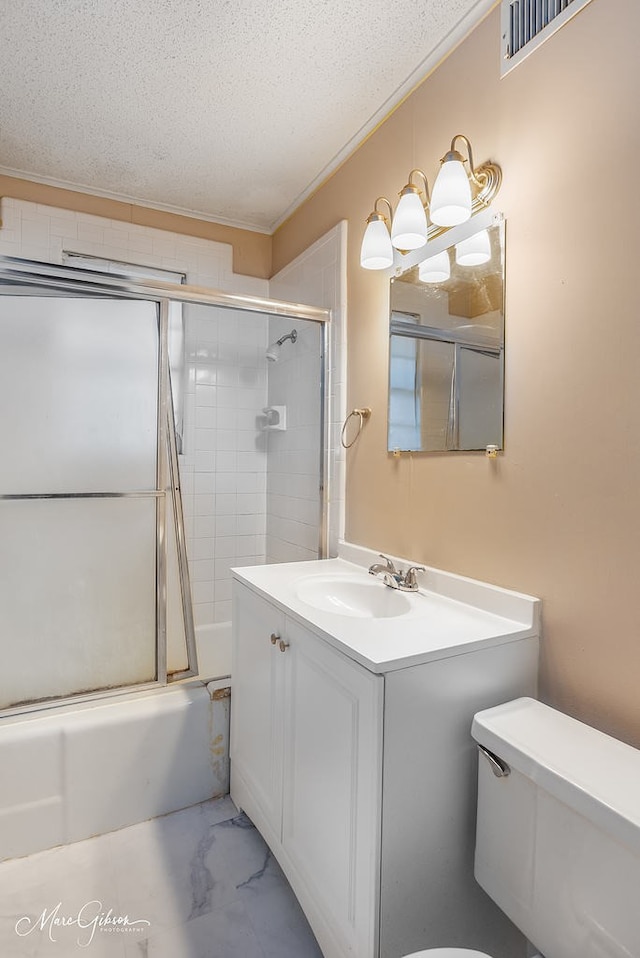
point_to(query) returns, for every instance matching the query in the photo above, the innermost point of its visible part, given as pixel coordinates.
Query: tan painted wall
(251, 251)
(558, 514)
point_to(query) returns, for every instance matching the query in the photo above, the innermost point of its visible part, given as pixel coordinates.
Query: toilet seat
(448, 953)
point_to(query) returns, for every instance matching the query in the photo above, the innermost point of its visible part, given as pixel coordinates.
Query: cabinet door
(332, 787)
(256, 711)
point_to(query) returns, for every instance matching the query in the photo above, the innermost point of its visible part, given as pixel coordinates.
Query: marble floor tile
(279, 922)
(225, 932)
(198, 883)
(170, 868)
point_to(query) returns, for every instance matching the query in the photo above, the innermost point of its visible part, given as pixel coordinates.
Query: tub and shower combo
(148, 446)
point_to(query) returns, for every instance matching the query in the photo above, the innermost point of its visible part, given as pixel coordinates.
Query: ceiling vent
(528, 23)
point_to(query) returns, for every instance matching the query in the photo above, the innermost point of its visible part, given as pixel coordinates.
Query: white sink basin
(353, 595)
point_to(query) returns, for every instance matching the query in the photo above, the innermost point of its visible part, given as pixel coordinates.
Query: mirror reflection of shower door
(479, 396)
(81, 489)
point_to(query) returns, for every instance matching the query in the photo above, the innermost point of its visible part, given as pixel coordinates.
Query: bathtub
(75, 771)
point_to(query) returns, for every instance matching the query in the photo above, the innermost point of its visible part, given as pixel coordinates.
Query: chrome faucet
(390, 575)
(410, 582)
(395, 578)
(378, 569)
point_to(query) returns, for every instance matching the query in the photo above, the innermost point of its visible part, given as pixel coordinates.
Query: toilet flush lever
(499, 768)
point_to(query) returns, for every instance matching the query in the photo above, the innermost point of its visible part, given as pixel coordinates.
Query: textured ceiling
(233, 109)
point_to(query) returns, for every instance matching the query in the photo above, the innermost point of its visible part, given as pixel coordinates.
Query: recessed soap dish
(275, 418)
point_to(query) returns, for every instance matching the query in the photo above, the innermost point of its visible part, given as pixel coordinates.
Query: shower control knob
(274, 638)
(282, 645)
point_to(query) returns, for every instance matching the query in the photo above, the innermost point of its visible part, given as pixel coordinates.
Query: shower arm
(293, 335)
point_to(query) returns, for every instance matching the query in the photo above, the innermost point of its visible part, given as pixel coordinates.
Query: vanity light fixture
(376, 251)
(409, 227)
(460, 190)
(452, 200)
(451, 203)
(436, 269)
(475, 250)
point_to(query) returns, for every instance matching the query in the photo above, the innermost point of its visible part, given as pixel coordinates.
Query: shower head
(273, 351)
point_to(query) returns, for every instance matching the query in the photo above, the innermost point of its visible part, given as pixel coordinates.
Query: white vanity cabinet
(306, 757)
(351, 752)
(258, 720)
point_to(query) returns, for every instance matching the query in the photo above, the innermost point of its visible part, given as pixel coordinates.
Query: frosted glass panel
(77, 596)
(78, 395)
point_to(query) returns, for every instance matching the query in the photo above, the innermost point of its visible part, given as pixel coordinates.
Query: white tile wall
(293, 462)
(316, 277)
(223, 469)
(43, 233)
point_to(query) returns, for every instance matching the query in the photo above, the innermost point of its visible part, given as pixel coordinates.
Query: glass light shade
(451, 196)
(436, 269)
(376, 251)
(475, 250)
(409, 227)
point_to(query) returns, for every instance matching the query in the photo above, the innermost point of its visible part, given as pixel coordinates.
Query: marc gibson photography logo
(89, 919)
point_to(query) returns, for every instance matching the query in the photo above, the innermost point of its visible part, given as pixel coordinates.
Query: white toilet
(558, 833)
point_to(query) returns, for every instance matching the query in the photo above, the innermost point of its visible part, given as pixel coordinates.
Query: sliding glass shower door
(90, 549)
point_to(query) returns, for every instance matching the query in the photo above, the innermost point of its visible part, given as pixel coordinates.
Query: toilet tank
(558, 837)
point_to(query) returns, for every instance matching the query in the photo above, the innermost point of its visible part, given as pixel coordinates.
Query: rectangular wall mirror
(446, 350)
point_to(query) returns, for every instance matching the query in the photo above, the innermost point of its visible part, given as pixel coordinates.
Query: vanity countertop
(449, 615)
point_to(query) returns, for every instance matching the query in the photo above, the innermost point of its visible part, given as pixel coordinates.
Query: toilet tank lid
(589, 771)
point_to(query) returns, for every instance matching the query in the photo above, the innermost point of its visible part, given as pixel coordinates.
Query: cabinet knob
(274, 638)
(282, 645)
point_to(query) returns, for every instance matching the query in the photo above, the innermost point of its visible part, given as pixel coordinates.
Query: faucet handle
(390, 565)
(410, 575)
